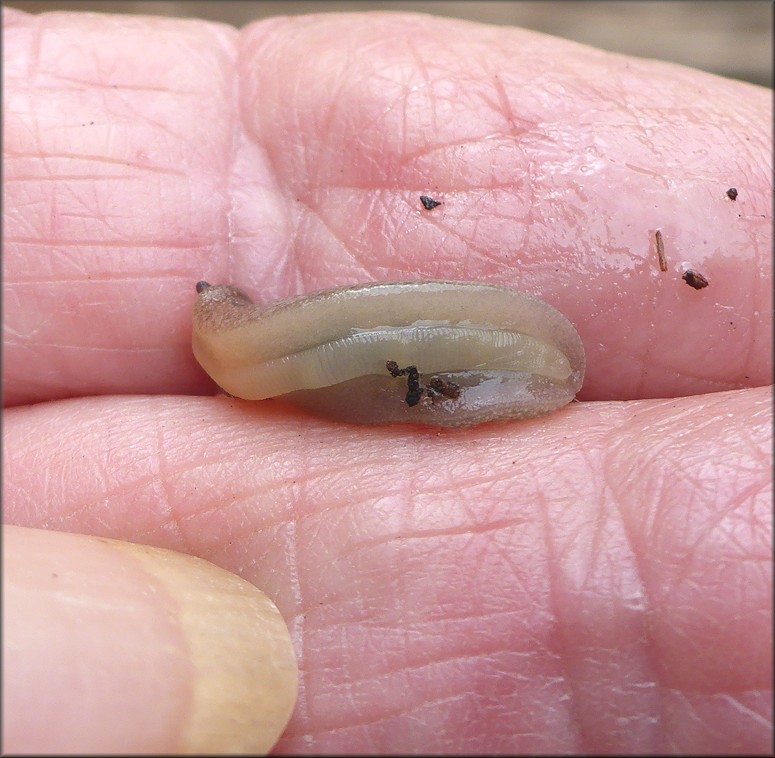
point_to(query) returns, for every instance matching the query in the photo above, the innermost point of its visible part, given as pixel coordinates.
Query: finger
(592, 583)
(556, 164)
(110, 646)
(120, 147)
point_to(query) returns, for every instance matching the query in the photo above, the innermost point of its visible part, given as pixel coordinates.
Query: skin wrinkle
(74, 513)
(749, 495)
(429, 151)
(325, 480)
(407, 536)
(748, 359)
(368, 682)
(504, 556)
(428, 626)
(427, 83)
(580, 738)
(33, 62)
(299, 254)
(122, 245)
(475, 603)
(185, 246)
(757, 718)
(415, 712)
(341, 249)
(99, 159)
(400, 102)
(166, 503)
(457, 487)
(646, 641)
(110, 88)
(86, 278)
(652, 457)
(597, 545)
(647, 359)
(423, 668)
(238, 502)
(231, 162)
(355, 725)
(75, 178)
(446, 229)
(88, 211)
(301, 713)
(107, 493)
(475, 250)
(681, 563)
(710, 533)
(411, 192)
(98, 348)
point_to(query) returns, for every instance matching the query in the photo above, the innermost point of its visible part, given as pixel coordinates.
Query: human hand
(598, 580)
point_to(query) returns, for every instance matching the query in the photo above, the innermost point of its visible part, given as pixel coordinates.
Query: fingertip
(245, 672)
(111, 647)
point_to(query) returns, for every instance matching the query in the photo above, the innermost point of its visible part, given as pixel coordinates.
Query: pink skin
(595, 581)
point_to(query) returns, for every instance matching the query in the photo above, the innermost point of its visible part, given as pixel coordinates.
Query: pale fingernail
(114, 647)
(245, 673)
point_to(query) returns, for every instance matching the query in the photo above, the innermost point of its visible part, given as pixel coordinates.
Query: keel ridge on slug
(471, 352)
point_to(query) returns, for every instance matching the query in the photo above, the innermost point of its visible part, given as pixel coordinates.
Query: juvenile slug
(432, 352)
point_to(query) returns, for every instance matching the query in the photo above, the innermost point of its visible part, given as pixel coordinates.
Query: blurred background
(732, 39)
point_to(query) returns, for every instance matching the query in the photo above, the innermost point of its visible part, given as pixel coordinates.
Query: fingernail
(244, 668)
(111, 647)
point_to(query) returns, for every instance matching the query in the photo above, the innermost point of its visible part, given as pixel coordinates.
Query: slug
(432, 352)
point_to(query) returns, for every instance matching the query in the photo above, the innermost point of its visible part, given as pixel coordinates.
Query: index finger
(242, 160)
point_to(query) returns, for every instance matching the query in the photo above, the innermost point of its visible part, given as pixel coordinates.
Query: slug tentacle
(433, 352)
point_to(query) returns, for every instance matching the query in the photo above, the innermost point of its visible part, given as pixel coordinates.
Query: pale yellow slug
(432, 352)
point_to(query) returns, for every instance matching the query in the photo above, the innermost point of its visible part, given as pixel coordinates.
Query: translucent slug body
(432, 352)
